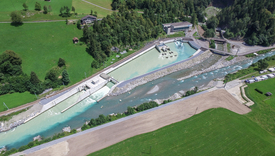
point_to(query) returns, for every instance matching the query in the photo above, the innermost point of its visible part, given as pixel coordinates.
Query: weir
(86, 94)
(90, 86)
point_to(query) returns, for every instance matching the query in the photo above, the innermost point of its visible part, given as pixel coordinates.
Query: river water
(52, 121)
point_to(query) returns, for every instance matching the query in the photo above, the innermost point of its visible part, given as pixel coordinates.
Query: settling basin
(152, 60)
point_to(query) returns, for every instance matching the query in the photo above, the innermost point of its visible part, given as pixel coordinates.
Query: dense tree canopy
(123, 28)
(252, 19)
(168, 9)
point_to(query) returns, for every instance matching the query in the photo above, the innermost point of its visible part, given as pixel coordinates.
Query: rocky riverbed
(158, 74)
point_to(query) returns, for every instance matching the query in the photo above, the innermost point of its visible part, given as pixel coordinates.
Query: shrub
(61, 62)
(212, 44)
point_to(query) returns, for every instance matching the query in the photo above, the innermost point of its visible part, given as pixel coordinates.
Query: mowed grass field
(15, 99)
(40, 45)
(102, 3)
(82, 8)
(7, 6)
(85, 8)
(213, 132)
(264, 108)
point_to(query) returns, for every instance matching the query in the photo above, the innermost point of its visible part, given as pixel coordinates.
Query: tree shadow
(146, 153)
(82, 39)
(17, 24)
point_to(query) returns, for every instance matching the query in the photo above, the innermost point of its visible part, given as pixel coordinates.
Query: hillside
(252, 20)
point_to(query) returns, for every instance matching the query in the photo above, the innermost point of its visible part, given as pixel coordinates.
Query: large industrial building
(171, 28)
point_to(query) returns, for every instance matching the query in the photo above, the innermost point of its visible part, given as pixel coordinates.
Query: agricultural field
(213, 132)
(7, 6)
(264, 107)
(103, 3)
(15, 99)
(84, 8)
(40, 45)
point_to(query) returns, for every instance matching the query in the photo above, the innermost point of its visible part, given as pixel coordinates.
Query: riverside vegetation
(255, 67)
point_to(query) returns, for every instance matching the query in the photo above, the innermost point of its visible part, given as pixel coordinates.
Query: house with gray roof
(87, 19)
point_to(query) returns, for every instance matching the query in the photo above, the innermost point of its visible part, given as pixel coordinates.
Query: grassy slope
(103, 3)
(15, 99)
(7, 6)
(213, 132)
(264, 109)
(40, 45)
(85, 8)
(211, 11)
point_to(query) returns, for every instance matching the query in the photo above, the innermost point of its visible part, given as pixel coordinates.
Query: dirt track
(104, 137)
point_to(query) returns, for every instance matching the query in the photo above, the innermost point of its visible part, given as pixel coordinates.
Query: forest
(169, 8)
(128, 28)
(252, 20)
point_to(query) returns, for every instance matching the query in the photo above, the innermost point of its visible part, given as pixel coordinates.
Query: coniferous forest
(253, 20)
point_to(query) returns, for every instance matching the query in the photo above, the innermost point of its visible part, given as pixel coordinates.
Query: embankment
(131, 84)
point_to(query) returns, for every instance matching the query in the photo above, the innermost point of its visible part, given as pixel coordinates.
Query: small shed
(268, 94)
(75, 40)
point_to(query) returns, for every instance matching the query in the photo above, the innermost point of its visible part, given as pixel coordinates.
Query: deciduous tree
(16, 18)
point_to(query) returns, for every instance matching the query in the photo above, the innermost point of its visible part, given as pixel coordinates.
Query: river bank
(131, 84)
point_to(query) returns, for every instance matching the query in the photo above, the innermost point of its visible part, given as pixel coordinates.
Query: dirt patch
(200, 30)
(154, 120)
(60, 149)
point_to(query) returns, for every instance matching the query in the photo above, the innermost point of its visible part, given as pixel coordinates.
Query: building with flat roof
(171, 28)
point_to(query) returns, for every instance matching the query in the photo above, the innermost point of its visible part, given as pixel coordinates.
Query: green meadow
(7, 6)
(102, 3)
(15, 99)
(213, 132)
(84, 8)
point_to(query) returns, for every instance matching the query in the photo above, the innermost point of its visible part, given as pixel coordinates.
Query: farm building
(87, 19)
(170, 28)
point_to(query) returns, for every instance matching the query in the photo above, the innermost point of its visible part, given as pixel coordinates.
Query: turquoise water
(152, 60)
(52, 121)
(51, 118)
